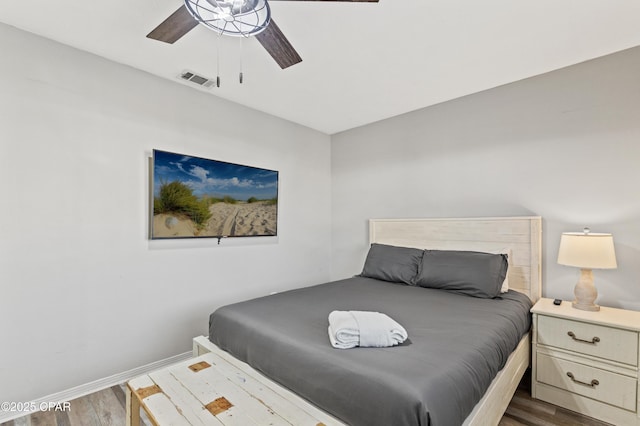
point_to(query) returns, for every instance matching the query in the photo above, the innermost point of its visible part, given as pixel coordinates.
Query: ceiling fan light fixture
(238, 18)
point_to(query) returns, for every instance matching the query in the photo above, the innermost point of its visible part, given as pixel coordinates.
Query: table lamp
(586, 251)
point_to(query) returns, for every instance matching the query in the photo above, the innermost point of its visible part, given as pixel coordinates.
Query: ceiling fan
(240, 18)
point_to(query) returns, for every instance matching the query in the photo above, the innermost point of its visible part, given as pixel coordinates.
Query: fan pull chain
(218, 60)
(241, 76)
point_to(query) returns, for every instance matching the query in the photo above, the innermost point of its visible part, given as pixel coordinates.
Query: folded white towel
(348, 329)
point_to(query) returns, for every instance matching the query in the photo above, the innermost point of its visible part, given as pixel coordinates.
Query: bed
(465, 354)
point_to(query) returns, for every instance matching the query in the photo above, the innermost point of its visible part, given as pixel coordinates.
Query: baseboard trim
(97, 385)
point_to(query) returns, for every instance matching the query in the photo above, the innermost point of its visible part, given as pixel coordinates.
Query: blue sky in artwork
(214, 178)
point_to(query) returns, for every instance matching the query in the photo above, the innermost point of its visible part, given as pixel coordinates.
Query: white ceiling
(362, 62)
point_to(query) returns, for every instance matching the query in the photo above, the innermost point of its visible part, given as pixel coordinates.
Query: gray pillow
(391, 263)
(473, 273)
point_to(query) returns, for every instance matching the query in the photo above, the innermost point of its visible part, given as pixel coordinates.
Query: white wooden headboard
(523, 235)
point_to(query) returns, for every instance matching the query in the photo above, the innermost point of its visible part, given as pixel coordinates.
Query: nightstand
(587, 361)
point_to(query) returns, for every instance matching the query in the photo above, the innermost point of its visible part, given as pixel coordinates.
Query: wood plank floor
(104, 408)
(107, 408)
(525, 411)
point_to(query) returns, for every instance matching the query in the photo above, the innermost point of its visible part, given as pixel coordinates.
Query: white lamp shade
(587, 250)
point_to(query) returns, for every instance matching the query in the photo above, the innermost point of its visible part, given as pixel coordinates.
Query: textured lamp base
(585, 292)
(584, 307)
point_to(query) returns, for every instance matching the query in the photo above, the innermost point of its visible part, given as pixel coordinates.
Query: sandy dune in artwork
(171, 226)
(240, 219)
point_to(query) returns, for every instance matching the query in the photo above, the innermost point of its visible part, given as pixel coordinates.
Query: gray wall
(564, 146)
(84, 293)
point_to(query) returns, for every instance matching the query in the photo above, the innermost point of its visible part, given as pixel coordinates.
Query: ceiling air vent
(197, 79)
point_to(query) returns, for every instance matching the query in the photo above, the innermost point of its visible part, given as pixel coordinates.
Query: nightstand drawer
(594, 383)
(604, 342)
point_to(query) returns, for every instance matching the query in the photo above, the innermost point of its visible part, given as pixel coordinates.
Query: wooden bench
(216, 389)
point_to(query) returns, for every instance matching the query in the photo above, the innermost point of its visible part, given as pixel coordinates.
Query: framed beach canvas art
(194, 197)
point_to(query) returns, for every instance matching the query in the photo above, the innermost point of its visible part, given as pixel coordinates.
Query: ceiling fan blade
(174, 27)
(348, 1)
(274, 41)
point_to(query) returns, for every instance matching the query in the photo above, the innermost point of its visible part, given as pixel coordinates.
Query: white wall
(83, 293)
(564, 146)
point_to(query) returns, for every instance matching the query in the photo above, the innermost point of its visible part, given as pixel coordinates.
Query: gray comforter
(456, 346)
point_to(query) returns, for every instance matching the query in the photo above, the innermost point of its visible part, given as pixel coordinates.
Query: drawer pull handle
(593, 341)
(593, 383)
